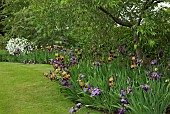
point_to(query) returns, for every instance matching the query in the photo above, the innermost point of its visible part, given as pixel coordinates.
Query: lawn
(24, 90)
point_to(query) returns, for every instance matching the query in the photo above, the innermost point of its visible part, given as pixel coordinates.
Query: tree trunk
(137, 44)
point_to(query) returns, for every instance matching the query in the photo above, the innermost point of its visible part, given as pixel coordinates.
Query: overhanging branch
(117, 20)
(146, 6)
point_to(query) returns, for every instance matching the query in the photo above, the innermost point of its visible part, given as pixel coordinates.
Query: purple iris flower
(160, 53)
(52, 61)
(73, 61)
(159, 76)
(72, 110)
(78, 105)
(138, 62)
(97, 63)
(121, 110)
(63, 83)
(71, 54)
(155, 76)
(85, 89)
(95, 92)
(124, 100)
(130, 90)
(145, 87)
(57, 62)
(122, 93)
(154, 62)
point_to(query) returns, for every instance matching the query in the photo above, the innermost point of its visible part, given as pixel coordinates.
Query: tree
(89, 22)
(132, 14)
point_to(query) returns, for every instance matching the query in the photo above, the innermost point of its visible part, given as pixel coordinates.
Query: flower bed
(112, 82)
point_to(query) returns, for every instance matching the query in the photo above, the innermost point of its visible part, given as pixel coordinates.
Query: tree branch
(146, 6)
(117, 20)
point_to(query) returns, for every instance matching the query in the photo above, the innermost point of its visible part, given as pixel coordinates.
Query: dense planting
(110, 55)
(113, 82)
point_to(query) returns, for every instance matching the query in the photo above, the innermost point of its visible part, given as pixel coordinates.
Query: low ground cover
(25, 91)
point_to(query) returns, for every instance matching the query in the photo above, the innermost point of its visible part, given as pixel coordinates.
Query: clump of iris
(76, 108)
(95, 92)
(97, 64)
(146, 87)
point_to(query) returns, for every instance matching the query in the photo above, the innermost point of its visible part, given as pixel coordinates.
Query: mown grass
(24, 90)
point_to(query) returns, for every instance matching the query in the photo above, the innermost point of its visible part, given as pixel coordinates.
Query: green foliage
(25, 91)
(124, 76)
(36, 56)
(152, 101)
(85, 24)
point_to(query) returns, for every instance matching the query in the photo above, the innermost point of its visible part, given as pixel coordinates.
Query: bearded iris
(78, 105)
(95, 92)
(124, 101)
(138, 62)
(155, 76)
(122, 93)
(121, 110)
(154, 62)
(97, 64)
(72, 110)
(73, 61)
(145, 87)
(130, 90)
(71, 54)
(63, 83)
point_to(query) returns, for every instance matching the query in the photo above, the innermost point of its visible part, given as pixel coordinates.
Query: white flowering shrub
(17, 46)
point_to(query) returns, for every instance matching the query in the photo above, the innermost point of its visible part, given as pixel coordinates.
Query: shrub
(17, 46)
